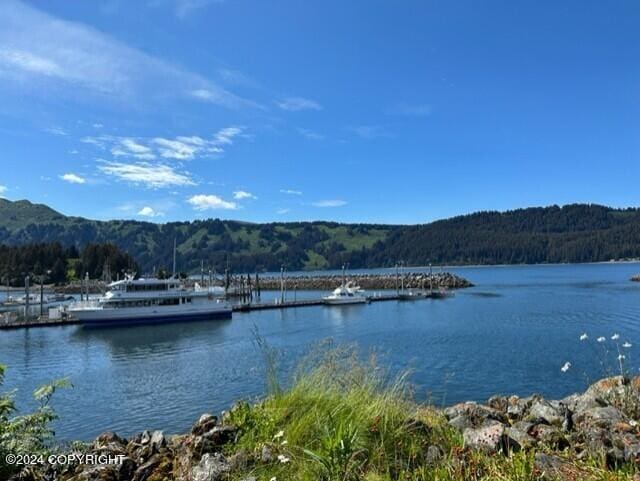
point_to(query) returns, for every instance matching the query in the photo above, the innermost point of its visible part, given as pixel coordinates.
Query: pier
(7, 322)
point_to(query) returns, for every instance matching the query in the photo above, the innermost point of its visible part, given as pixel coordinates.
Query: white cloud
(241, 194)
(147, 211)
(148, 175)
(225, 136)
(73, 178)
(283, 211)
(42, 53)
(97, 126)
(329, 203)
(295, 104)
(3, 189)
(129, 147)
(206, 202)
(178, 148)
(290, 192)
(56, 131)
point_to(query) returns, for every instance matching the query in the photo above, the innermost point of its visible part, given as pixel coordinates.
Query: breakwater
(368, 281)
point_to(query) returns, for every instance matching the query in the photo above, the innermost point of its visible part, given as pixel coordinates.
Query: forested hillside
(573, 233)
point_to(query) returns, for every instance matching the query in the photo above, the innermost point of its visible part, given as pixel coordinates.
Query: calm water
(510, 334)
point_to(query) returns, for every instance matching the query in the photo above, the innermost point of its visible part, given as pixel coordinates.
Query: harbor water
(510, 334)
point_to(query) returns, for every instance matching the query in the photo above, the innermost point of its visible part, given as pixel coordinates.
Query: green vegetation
(26, 433)
(573, 233)
(52, 263)
(346, 420)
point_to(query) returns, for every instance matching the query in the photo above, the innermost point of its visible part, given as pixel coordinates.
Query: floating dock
(244, 307)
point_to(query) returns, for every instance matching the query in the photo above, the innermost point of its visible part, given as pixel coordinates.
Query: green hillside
(573, 233)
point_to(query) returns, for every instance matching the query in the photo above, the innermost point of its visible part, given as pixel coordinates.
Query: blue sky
(371, 111)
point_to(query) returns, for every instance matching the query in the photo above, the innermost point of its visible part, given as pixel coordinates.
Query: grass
(344, 420)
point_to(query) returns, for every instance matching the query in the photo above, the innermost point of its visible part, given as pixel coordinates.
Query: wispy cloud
(242, 194)
(210, 202)
(283, 211)
(290, 192)
(370, 131)
(56, 131)
(178, 148)
(73, 178)
(3, 189)
(147, 211)
(295, 104)
(412, 110)
(329, 203)
(310, 134)
(146, 174)
(38, 49)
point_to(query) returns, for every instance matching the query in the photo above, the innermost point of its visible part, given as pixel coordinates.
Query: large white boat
(150, 301)
(347, 293)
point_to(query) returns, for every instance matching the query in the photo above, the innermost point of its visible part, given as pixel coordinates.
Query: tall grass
(345, 419)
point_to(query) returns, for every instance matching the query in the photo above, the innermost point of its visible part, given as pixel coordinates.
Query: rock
(204, 424)
(604, 417)
(490, 438)
(550, 436)
(220, 435)
(461, 422)
(239, 460)
(476, 413)
(126, 469)
(519, 432)
(433, 454)
(542, 409)
(266, 456)
(145, 471)
(499, 403)
(157, 441)
(554, 468)
(212, 467)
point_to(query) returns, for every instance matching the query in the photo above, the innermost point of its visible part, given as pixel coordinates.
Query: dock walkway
(8, 323)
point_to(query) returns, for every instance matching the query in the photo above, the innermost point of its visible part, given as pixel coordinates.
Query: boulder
(554, 468)
(204, 424)
(541, 409)
(604, 417)
(212, 467)
(490, 438)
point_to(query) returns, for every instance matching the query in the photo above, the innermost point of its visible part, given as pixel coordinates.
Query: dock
(44, 321)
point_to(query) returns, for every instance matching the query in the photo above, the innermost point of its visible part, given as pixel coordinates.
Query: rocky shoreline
(600, 423)
(636, 278)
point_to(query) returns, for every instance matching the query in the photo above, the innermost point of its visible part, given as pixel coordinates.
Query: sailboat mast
(174, 257)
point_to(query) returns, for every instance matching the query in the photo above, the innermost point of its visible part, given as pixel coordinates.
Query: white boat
(346, 294)
(151, 301)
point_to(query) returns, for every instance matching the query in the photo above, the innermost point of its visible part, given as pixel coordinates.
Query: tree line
(51, 262)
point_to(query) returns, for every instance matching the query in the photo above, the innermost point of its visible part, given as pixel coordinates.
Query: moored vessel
(151, 301)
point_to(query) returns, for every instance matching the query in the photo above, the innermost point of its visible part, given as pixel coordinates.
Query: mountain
(572, 233)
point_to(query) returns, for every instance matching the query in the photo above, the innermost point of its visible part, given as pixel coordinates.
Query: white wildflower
(615, 337)
(283, 459)
(584, 337)
(279, 435)
(627, 344)
(601, 339)
(284, 442)
(566, 367)
(273, 479)
(633, 423)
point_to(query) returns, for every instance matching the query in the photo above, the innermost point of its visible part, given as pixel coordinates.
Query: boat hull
(345, 302)
(123, 316)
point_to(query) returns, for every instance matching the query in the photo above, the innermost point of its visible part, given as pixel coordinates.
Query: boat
(411, 295)
(150, 301)
(347, 293)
